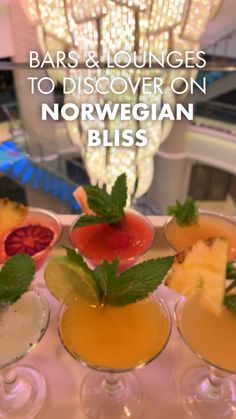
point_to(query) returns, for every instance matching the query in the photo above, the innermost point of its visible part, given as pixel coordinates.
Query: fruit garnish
(108, 208)
(70, 275)
(12, 214)
(81, 197)
(30, 239)
(202, 267)
(15, 278)
(186, 213)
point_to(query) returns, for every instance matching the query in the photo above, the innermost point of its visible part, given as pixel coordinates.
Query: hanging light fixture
(109, 26)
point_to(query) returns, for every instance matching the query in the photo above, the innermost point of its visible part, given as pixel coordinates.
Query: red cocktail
(126, 240)
(36, 236)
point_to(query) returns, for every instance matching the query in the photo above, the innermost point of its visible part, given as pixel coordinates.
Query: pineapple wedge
(12, 214)
(201, 268)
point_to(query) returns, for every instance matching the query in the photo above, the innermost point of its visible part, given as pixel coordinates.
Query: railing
(217, 115)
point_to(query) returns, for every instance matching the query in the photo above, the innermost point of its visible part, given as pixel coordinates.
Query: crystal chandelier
(108, 26)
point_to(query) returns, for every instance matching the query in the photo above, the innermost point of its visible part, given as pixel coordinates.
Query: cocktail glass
(22, 326)
(44, 218)
(114, 341)
(208, 389)
(127, 240)
(210, 224)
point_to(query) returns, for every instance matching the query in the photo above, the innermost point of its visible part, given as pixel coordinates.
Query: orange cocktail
(213, 336)
(209, 224)
(117, 338)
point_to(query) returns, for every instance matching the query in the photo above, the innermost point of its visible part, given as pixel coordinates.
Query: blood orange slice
(29, 239)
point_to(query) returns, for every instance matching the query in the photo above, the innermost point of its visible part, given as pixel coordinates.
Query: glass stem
(8, 378)
(112, 384)
(212, 386)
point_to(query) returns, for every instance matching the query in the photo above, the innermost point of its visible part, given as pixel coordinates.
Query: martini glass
(22, 326)
(127, 240)
(209, 224)
(114, 341)
(36, 217)
(208, 389)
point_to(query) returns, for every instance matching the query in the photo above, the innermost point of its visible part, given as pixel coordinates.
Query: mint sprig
(186, 213)
(109, 208)
(105, 274)
(230, 303)
(138, 282)
(15, 277)
(230, 300)
(126, 288)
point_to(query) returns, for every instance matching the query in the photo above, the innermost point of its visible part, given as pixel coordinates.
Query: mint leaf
(76, 258)
(85, 220)
(230, 274)
(137, 282)
(186, 213)
(230, 303)
(109, 208)
(106, 273)
(99, 201)
(231, 271)
(119, 193)
(15, 277)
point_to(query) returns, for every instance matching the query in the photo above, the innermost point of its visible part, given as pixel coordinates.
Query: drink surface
(181, 237)
(21, 326)
(114, 337)
(132, 237)
(211, 335)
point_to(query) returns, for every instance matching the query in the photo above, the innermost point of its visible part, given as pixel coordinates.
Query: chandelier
(109, 26)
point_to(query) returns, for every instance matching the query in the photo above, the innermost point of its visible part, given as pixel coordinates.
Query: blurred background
(196, 159)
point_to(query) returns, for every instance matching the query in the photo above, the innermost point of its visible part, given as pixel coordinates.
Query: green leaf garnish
(186, 213)
(109, 208)
(106, 274)
(230, 300)
(119, 194)
(85, 220)
(104, 283)
(231, 271)
(230, 303)
(15, 277)
(137, 282)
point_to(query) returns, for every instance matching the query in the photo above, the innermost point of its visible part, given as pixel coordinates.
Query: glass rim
(54, 217)
(178, 305)
(216, 214)
(98, 368)
(42, 331)
(146, 219)
(57, 234)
